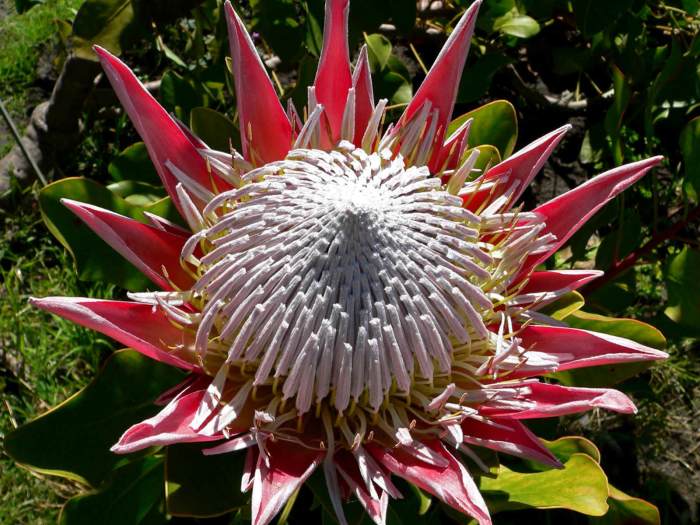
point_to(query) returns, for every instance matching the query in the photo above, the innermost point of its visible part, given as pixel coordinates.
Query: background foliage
(625, 74)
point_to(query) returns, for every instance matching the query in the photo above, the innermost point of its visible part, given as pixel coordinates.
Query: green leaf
(215, 129)
(378, 51)
(614, 116)
(202, 486)
(608, 375)
(580, 486)
(133, 163)
(565, 447)
(627, 510)
(393, 86)
(494, 123)
(564, 306)
(593, 16)
(137, 193)
(682, 278)
(518, 25)
(179, 95)
(690, 148)
(633, 329)
(73, 439)
(112, 24)
(94, 259)
(280, 24)
(130, 497)
(488, 156)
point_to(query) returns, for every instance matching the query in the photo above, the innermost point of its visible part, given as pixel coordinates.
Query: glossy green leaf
(564, 306)
(518, 25)
(215, 129)
(166, 209)
(638, 331)
(627, 510)
(133, 163)
(73, 439)
(580, 486)
(488, 156)
(565, 447)
(608, 375)
(682, 278)
(378, 51)
(94, 259)
(690, 148)
(202, 486)
(131, 496)
(137, 193)
(614, 116)
(494, 123)
(393, 86)
(112, 24)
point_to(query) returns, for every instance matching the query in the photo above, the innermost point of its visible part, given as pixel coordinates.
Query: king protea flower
(351, 297)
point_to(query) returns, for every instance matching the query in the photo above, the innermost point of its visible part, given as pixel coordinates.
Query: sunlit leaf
(627, 510)
(580, 486)
(379, 51)
(564, 306)
(515, 24)
(690, 148)
(494, 123)
(682, 278)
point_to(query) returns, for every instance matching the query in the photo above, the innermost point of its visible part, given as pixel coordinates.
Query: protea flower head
(350, 296)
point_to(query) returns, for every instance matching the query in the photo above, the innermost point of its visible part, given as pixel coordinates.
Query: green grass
(21, 36)
(43, 359)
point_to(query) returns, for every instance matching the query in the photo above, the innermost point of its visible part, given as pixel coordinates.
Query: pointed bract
(289, 466)
(452, 484)
(266, 133)
(519, 169)
(152, 250)
(333, 78)
(548, 400)
(376, 508)
(555, 280)
(575, 348)
(139, 326)
(364, 95)
(441, 84)
(169, 426)
(565, 214)
(164, 138)
(509, 436)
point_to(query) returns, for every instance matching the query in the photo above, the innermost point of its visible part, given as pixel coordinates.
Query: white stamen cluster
(340, 274)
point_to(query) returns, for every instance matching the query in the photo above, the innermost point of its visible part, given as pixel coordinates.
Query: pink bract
(364, 276)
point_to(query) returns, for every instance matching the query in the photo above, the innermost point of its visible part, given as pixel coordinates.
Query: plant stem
(628, 262)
